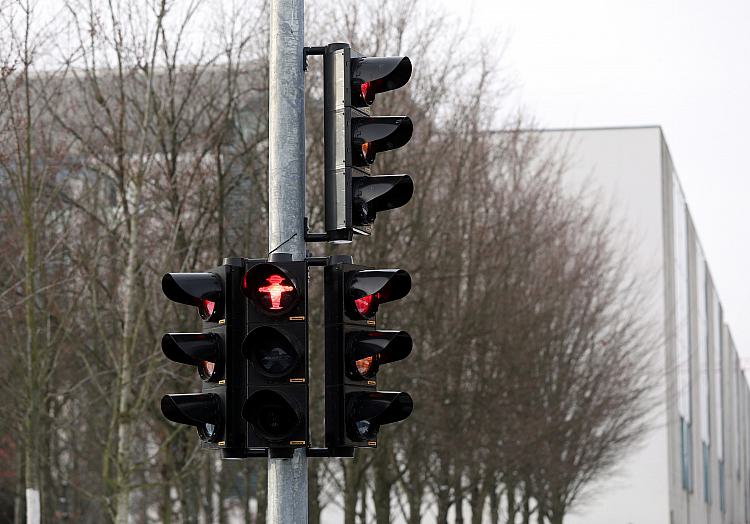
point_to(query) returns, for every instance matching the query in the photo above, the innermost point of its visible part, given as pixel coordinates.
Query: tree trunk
(495, 506)
(18, 500)
(124, 391)
(443, 505)
(166, 495)
(363, 503)
(477, 501)
(34, 366)
(510, 497)
(382, 490)
(459, 500)
(414, 500)
(350, 491)
(443, 494)
(526, 507)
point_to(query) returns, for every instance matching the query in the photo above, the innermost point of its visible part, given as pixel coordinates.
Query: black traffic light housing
(353, 138)
(275, 350)
(355, 349)
(215, 352)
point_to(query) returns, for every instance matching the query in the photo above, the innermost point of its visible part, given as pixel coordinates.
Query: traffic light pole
(287, 477)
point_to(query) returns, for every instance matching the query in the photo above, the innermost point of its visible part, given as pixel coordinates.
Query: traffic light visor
(202, 410)
(371, 287)
(370, 349)
(373, 75)
(270, 288)
(375, 134)
(372, 194)
(368, 411)
(195, 349)
(202, 290)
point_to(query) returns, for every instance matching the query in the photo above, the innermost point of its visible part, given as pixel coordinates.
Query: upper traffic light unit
(353, 138)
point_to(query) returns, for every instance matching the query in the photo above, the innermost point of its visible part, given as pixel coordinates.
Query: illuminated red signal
(275, 290)
(206, 309)
(270, 288)
(367, 305)
(364, 89)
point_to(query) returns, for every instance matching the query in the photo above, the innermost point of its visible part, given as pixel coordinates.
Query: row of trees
(133, 142)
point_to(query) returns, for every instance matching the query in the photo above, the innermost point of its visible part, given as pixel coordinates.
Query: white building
(693, 466)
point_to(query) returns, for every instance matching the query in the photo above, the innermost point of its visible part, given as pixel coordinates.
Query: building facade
(692, 467)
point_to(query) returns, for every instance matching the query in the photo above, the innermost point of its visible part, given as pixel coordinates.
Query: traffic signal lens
(364, 430)
(206, 309)
(274, 291)
(365, 91)
(270, 288)
(207, 368)
(276, 360)
(271, 352)
(367, 305)
(270, 414)
(365, 365)
(368, 152)
(209, 431)
(276, 419)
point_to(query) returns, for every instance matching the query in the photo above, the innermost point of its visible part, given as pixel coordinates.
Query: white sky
(684, 65)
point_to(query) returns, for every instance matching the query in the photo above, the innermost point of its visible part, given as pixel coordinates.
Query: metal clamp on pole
(315, 237)
(307, 51)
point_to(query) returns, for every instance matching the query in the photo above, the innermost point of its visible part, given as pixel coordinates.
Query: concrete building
(693, 465)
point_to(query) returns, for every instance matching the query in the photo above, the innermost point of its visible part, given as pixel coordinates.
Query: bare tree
(145, 152)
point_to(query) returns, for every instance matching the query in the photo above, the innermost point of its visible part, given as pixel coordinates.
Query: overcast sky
(684, 65)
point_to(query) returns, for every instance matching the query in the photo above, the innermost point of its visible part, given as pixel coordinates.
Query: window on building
(682, 331)
(702, 348)
(706, 473)
(717, 328)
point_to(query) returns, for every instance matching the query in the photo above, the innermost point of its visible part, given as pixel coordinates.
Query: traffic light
(214, 352)
(355, 350)
(353, 138)
(275, 349)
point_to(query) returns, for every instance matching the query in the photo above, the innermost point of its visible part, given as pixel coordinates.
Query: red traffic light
(274, 289)
(371, 287)
(270, 288)
(373, 75)
(367, 305)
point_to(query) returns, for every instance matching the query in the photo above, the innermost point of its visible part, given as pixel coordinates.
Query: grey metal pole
(287, 477)
(286, 129)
